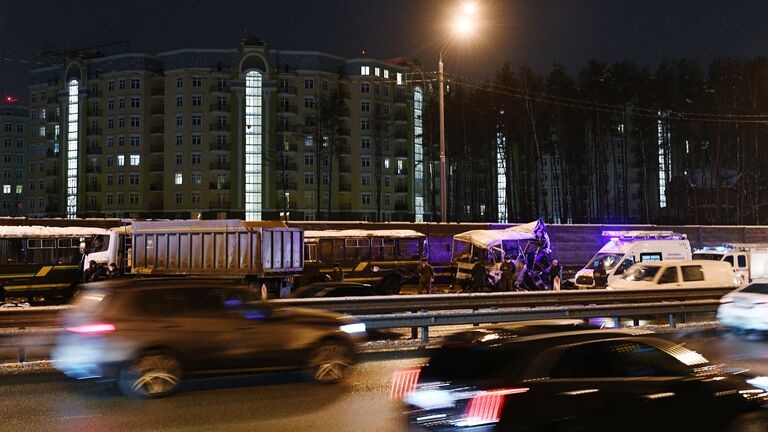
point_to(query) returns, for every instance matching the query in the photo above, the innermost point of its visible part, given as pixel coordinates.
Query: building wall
(163, 136)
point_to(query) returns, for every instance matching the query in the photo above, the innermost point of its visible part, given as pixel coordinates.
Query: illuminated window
(399, 78)
(135, 159)
(6, 189)
(418, 153)
(73, 132)
(365, 70)
(501, 179)
(120, 160)
(178, 178)
(377, 71)
(253, 143)
(386, 74)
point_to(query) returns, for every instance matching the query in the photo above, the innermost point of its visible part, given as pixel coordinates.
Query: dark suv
(531, 378)
(149, 333)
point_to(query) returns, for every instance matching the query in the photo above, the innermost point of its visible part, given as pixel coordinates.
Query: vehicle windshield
(707, 256)
(462, 251)
(642, 273)
(610, 260)
(100, 244)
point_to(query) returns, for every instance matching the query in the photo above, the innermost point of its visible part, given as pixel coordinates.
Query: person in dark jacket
(426, 276)
(479, 276)
(90, 271)
(600, 276)
(337, 275)
(507, 274)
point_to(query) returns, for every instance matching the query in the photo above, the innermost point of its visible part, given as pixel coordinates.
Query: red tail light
(403, 382)
(486, 407)
(724, 300)
(98, 328)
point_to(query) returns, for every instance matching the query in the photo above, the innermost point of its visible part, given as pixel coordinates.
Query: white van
(749, 261)
(628, 247)
(678, 274)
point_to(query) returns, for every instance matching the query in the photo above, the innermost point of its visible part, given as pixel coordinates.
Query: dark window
(729, 260)
(326, 250)
(167, 302)
(592, 360)
(692, 273)
(641, 360)
(669, 276)
(409, 248)
(617, 359)
(756, 289)
(742, 259)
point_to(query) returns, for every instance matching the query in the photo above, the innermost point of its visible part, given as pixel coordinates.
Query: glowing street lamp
(463, 26)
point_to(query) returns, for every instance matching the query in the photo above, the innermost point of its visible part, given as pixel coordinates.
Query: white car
(678, 274)
(746, 308)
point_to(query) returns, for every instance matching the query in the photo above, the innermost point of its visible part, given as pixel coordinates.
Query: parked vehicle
(261, 253)
(749, 261)
(528, 377)
(678, 274)
(149, 334)
(385, 258)
(489, 247)
(337, 289)
(42, 263)
(629, 247)
(745, 308)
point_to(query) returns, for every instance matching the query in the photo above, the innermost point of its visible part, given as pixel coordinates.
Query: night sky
(534, 32)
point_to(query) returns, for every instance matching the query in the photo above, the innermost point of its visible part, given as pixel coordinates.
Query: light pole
(463, 26)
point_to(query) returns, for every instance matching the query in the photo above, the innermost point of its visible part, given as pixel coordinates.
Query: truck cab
(626, 248)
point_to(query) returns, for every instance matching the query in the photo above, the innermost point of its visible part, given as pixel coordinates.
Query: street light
(463, 26)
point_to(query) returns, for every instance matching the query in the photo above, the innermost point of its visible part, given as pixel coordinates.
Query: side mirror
(82, 247)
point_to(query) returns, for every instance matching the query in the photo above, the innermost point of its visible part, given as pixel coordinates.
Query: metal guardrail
(23, 340)
(49, 316)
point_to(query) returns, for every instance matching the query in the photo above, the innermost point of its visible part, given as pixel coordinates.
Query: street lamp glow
(469, 8)
(464, 26)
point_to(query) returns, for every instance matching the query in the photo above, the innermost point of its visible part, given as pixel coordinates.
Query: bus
(41, 263)
(386, 258)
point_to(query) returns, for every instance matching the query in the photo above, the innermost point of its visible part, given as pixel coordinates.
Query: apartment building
(251, 132)
(13, 165)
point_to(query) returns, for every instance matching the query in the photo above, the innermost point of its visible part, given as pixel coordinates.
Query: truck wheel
(391, 285)
(152, 375)
(329, 361)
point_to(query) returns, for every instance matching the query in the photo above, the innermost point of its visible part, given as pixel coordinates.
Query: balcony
(288, 90)
(290, 109)
(91, 131)
(220, 146)
(286, 128)
(220, 166)
(93, 169)
(400, 134)
(401, 188)
(219, 127)
(220, 107)
(92, 188)
(93, 150)
(156, 148)
(401, 151)
(156, 130)
(219, 186)
(345, 169)
(216, 88)
(155, 187)
(158, 92)
(345, 187)
(287, 166)
(225, 205)
(401, 206)
(286, 185)
(344, 149)
(156, 168)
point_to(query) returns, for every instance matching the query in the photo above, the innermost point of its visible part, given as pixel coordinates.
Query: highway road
(273, 402)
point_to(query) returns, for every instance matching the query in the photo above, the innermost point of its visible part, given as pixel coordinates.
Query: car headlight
(354, 328)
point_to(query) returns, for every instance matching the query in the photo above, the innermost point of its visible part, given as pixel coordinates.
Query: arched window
(73, 129)
(253, 145)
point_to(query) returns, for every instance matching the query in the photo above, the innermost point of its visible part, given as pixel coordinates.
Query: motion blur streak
(403, 382)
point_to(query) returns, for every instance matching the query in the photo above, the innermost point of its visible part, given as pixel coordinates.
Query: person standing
(479, 276)
(507, 274)
(90, 272)
(426, 277)
(600, 276)
(554, 274)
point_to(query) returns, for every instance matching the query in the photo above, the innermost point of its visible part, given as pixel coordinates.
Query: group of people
(518, 276)
(96, 272)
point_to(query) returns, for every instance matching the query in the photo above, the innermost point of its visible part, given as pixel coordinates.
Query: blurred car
(337, 289)
(549, 378)
(745, 308)
(148, 334)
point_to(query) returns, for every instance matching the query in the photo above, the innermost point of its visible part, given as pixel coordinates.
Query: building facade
(253, 133)
(13, 164)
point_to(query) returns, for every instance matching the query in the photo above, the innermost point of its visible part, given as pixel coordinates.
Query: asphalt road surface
(272, 402)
